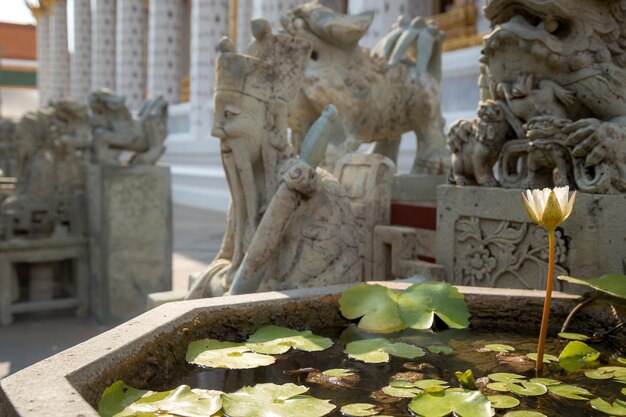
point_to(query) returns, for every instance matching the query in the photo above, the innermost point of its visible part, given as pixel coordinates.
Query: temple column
(43, 55)
(81, 58)
(165, 31)
(103, 44)
(209, 22)
(59, 54)
(129, 52)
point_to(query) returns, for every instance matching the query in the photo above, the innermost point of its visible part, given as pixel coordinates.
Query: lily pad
(378, 350)
(275, 340)
(505, 377)
(598, 374)
(401, 392)
(621, 360)
(503, 401)
(216, 354)
(419, 304)
(498, 386)
(430, 383)
(271, 400)
(527, 388)
(360, 409)
(524, 413)
(613, 284)
(618, 408)
(375, 304)
(499, 348)
(444, 349)
(546, 381)
(546, 358)
(570, 391)
(121, 400)
(338, 372)
(576, 355)
(573, 336)
(461, 403)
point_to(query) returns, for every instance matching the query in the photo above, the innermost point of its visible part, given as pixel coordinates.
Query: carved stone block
(130, 211)
(485, 238)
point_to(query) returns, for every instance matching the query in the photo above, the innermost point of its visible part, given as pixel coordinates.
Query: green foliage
(466, 379)
(577, 355)
(461, 403)
(573, 336)
(359, 409)
(378, 350)
(570, 391)
(443, 349)
(613, 284)
(383, 310)
(275, 340)
(217, 354)
(271, 400)
(524, 413)
(499, 348)
(503, 401)
(546, 358)
(618, 408)
(121, 400)
(338, 372)
(505, 377)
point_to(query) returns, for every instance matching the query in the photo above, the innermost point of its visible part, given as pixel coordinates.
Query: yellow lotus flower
(549, 207)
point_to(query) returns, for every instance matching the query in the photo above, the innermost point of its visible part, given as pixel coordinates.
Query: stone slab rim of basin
(54, 384)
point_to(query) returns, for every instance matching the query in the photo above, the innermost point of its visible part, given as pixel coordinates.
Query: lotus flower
(549, 207)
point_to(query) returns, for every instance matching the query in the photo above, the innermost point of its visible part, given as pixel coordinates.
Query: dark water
(375, 376)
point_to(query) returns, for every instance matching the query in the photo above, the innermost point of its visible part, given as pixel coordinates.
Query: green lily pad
(524, 413)
(461, 403)
(618, 408)
(503, 401)
(360, 409)
(401, 392)
(498, 386)
(577, 355)
(621, 360)
(338, 372)
(573, 336)
(275, 340)
(466, 379)
(430, 383)
(598, 374)
(546, 381)
(378, 350)
(444, 349)
(505, 377)
(271, 400)
(623, 391)
(419, 304)
(617, 371)
(527, 388)
(570, 391)
(613, 284)
(216, 354)
(499, 348)
(546, 358)
(375, 304)
(121, 400)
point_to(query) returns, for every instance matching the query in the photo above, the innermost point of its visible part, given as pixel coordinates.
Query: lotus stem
(546, 304)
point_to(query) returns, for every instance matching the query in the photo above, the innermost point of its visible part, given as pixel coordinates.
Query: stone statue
(379, 95)
(557, 70)
(289, 225)
(116, 130)
(8, 156)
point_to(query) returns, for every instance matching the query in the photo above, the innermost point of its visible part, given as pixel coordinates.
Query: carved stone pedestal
(485, 238)
(130, 210)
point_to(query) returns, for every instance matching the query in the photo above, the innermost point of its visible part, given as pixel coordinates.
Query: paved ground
(33, 337)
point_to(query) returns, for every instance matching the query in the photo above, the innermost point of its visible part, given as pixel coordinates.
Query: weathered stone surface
(70, 383)
(379, 95)
(130, 237)
(552, 109)
(485, 238)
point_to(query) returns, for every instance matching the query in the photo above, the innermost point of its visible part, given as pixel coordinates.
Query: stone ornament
(553, 101)
(289, 225)
(379, 95)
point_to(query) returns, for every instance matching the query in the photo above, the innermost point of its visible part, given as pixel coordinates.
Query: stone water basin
(143, 350)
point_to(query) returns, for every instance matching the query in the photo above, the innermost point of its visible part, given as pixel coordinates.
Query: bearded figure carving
(558, 64)
(289, 224)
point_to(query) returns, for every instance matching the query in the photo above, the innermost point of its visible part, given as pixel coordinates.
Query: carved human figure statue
(315, 231)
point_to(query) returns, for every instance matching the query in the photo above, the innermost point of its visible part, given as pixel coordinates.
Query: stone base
(485, 238)
(130, 221)
(416, 188)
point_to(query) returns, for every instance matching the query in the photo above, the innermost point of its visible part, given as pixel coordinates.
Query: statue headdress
(271, 68)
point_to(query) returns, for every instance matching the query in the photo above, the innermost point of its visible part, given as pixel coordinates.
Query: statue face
(239, 122)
